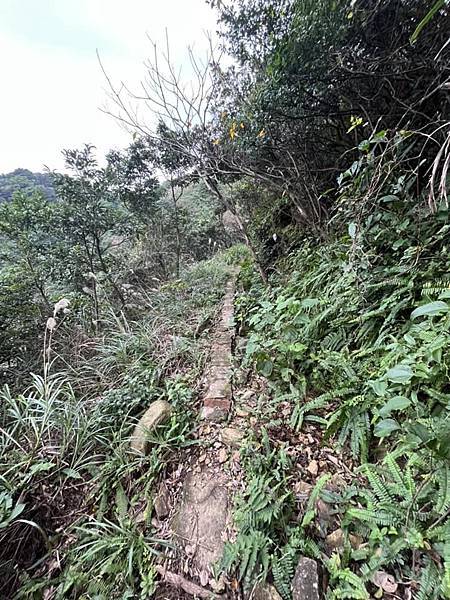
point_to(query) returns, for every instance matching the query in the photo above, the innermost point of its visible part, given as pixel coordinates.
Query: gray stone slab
(201, 521)
(305, 585)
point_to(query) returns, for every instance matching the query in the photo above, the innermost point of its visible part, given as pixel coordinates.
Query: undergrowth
(75, 503)
(354, 332)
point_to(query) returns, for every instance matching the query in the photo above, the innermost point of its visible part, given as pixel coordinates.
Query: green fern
(372, 517)
(343, 582)
(430, 582)
(283, 568)
(381, 490)
(312, 500)
(443, 497)
(263, 502)
(250, 554)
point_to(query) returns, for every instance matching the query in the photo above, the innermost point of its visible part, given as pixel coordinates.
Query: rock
(157, 412)
(265, 592)
(222, 373)
(241, 411)
(313, 467)
(325, 516)
(215, 410)
(201, 518)
(162, 502)
(305, 585)
(219, 388)
(302, 490)
(222, 456)
(232, 437)
(336, 484)
(355, 540)
(335, 541)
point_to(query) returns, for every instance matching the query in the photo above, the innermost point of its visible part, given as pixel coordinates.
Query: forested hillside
(306, 157)
(23, 180)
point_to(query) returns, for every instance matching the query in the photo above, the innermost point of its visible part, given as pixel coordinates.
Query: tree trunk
(214, 188)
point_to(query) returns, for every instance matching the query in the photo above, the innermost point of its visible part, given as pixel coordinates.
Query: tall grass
(70, 490)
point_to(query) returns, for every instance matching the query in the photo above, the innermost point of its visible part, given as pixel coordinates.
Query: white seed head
(51, 323)
(60, 305)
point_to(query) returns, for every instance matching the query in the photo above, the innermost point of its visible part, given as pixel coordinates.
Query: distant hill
(23, 180)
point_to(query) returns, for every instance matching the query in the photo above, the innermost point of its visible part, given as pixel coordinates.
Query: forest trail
(202, 518)
(194, 505)
(200, 523)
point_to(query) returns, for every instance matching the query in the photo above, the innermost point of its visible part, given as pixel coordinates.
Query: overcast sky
(51, 84)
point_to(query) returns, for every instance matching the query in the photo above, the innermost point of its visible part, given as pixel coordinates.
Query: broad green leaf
(309, 302)
(266, 367)
(395, 403)
(71, 473)
(409, 339)
(432, 308)
(379, 387)
(420, 431)
(389, 198)
(44, 466)
(16, 511)
(380, 135)
(121, 501)
(385, 427)
(400, 374)
(297, 348)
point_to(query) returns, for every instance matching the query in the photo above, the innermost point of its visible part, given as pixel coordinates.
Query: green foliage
(353, 332)
(26, 182)
(313, 78)
(268, 541)
(67, 436)
(353, 329)
(117, 554)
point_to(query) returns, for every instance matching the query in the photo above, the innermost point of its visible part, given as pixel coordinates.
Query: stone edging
(217, 400)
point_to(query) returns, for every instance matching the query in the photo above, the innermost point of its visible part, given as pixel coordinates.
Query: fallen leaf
(385, 581)
(313, 467)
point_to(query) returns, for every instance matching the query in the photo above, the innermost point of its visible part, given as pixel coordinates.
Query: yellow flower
(262, 133)
(233, 130)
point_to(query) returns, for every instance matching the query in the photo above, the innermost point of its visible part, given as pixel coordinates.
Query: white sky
(51, 84)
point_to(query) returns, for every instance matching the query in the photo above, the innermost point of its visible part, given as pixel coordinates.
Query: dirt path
(199, 523)
(193, 504)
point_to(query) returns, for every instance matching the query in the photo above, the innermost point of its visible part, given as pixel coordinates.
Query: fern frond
(443, 498)
(314, 496)
(379, 487)
(283, 568)
(249, 553)
(429, 583)
(405, 486)
(373, 517)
